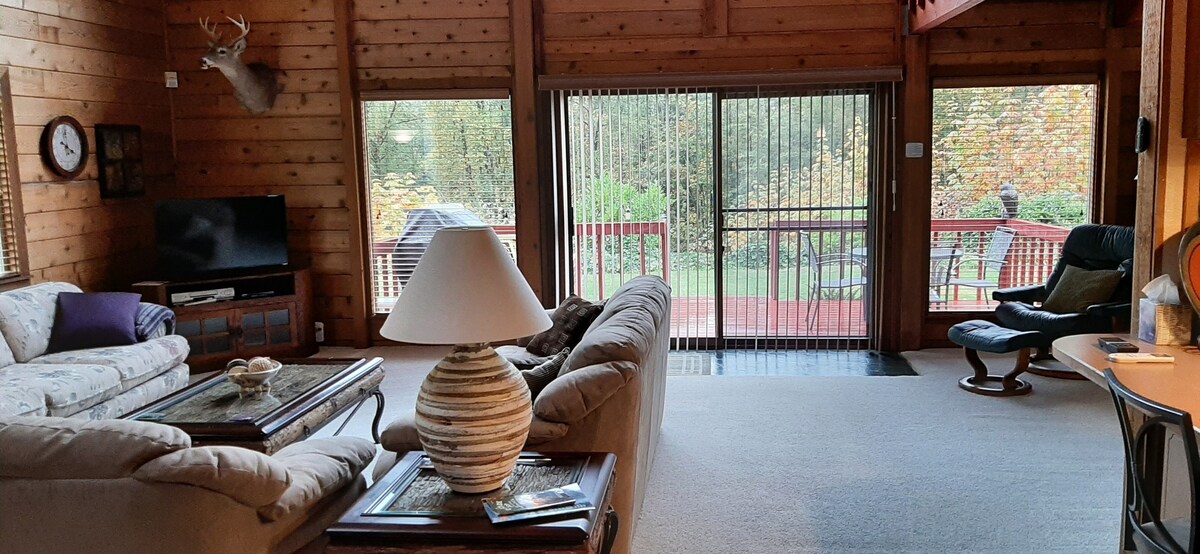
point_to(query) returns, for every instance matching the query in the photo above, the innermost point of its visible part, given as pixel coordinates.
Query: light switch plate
(172, 79)
(914, 149)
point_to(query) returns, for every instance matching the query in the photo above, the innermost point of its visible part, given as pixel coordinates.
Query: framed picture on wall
(119, 154)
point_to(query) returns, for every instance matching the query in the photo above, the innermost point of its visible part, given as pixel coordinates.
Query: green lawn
(700, 282)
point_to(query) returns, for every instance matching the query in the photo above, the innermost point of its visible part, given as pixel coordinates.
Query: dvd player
(202, 296)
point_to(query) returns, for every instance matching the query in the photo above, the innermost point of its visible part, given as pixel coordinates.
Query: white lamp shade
(465, 290)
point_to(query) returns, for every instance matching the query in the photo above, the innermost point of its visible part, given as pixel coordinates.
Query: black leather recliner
(1089, 247)
(1026, 329)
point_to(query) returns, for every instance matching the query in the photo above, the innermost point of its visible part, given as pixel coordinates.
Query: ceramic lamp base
(473, 417)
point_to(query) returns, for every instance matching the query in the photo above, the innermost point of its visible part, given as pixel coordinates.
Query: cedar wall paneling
(591, 37)
(1006, 37)
(99, 61)
(403, 44)
(295, 149)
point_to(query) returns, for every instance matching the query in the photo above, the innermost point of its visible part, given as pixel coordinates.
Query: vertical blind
(753, 204)
(433, 164)
(1013, 172)
(641, 176)
(10, 263)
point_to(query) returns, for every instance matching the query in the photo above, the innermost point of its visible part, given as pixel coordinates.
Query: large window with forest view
(432, 164)
(1013, 172)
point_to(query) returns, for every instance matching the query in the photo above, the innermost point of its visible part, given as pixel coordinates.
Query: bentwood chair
(1142, 521)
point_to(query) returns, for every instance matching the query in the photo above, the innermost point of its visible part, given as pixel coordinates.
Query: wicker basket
(1164, 323)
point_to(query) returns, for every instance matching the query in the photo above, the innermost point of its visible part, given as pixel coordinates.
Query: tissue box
(1164, 323)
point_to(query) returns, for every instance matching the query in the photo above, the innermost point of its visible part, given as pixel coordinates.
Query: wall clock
(64, 146)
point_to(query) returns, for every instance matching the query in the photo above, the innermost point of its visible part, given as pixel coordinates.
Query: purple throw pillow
(94, 319)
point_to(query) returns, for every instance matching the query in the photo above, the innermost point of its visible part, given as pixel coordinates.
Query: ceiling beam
(924, 15)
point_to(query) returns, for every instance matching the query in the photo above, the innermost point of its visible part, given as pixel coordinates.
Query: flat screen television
(214, 237)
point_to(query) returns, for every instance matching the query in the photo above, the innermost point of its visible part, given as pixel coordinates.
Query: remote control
(1116, 344)
(1141, 358)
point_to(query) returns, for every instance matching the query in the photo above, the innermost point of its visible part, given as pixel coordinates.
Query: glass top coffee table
(305, 395)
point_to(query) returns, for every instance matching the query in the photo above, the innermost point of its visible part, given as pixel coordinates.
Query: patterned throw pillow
(540, 376)
(570, 319)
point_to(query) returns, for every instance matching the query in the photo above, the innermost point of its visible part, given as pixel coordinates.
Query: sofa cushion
(130, 400)
(317, 468)
(627, 327)
(22, 401)
(625, 336)
(93, 320)
(136, 363)
(251, 478)
(67, 388)
(6, 354)
(27, 317)
(573, 396)
(62, 448)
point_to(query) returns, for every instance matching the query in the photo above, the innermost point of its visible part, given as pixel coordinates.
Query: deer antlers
(242, 25)
(216, 37)
(212, 33)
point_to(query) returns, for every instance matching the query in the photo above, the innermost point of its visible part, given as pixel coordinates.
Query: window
(1013, 172)
(12, 235)
(432, 164)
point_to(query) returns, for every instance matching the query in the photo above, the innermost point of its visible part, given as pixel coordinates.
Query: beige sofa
(608, 397)
(74, 485)
(96, 383)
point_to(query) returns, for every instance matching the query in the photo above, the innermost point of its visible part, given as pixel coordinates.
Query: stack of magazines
(545, 504)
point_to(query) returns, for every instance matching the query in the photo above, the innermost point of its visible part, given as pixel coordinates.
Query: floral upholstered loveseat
(97, 383)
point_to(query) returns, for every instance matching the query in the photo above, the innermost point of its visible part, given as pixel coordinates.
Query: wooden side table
(411, 509)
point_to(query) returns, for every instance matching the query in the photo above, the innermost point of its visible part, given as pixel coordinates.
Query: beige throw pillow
(1079, 288)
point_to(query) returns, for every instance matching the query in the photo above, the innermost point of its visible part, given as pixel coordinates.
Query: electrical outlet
(172, 79)
(320, 331)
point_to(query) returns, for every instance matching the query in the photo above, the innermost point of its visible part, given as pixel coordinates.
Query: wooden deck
(696, 317)
(758, 317)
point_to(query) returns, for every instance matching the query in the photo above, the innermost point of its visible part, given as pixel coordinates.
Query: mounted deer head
(254, 85)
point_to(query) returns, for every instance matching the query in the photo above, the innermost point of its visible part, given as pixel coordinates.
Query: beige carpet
(863, 464)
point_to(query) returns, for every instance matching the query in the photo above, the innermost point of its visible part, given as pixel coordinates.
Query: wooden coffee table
(306, 394)
(412, 510)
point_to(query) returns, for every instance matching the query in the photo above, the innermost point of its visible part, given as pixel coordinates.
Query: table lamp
(474, 409)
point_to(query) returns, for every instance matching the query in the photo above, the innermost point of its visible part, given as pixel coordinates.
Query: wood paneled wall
(404, 45)
(591, 37)
(296, 149)
(99, 61)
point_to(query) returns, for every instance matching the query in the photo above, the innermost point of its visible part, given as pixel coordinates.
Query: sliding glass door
(795, 181)
(754, 205)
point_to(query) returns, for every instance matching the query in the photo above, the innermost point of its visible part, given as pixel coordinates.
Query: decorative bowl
(251, 381)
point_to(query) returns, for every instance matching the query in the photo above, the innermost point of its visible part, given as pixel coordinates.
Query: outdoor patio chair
(942, 257)
(988, 265)
(851, 272)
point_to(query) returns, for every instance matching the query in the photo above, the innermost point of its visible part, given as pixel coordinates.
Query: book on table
(554, 502)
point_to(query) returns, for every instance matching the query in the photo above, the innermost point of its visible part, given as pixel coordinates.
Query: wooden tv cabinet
(270, 315)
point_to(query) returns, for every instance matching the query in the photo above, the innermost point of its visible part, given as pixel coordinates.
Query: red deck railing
(1029, 260)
